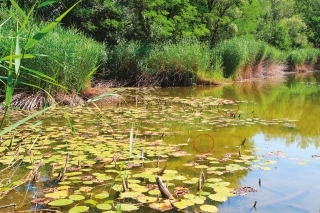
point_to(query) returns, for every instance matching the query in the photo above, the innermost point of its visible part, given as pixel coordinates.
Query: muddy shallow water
(188, 130)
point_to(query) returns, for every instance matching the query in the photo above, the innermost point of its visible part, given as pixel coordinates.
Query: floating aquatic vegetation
(243, 191)
(209, 208)
(60, 202)
(104, 149)
(78, 209)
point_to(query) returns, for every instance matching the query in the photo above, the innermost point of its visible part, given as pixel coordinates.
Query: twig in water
(202, 176)
(124, 184)
(160, 172)
(242, 144)
(254, 205)
(7, 206)
(62, 177)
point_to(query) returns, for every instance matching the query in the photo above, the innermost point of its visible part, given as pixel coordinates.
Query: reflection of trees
(295, 99)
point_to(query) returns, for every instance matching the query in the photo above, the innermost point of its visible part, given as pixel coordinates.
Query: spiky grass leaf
(89, 75)
(5, 21)
(9, 86)
(46, 3)
(70, 125)
(131, 141)
(22, 121)
(19, 56)
(101, 97)
(43, 77)
(16, 6)
(38, 36)
(17, 61)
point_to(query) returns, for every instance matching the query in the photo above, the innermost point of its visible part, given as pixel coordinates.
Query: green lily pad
(154, 192)
(128, 207)
(218, 197)
(182, 204)
(129, 195)
(209, 208)
(198, 200)
(102, 195)
(60, 202)
(76, 197)
(146, 199)
(57, 194)
(92, 202)
(78, 209)
(104, 206)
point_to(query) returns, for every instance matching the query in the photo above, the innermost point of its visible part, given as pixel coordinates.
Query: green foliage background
(185, 38)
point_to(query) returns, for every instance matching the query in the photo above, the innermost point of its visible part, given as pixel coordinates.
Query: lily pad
(218, 197)
(183, 204)
(209, 208)
(57, 194)
(146, 199)
(92, 202)
(161, 206)
(60, 202)
(78, 209)
(76, 197)
(128, 207)
(102, 195)
(104, 206)
(129, 195)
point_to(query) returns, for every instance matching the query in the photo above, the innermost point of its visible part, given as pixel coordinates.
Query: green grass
(70, 56)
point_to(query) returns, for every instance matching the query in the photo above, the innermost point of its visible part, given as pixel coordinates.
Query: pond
(242, 147)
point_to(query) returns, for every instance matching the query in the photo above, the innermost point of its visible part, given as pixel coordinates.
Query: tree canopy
(285, 24)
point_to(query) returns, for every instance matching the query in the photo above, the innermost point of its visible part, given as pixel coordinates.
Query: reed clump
(167, 64)
(244, 58)
(302, 60)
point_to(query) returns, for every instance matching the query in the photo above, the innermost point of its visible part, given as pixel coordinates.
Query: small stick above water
(243, 142)
(160, 172)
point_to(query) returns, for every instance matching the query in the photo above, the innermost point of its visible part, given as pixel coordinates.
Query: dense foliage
(283, 24)
(158, 42)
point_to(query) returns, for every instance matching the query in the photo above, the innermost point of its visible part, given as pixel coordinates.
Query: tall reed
(11, 64)
(177, 63)
(69, 55)
(238, 53)
(303, 57)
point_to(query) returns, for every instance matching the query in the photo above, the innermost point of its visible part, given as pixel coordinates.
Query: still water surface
(279, 120)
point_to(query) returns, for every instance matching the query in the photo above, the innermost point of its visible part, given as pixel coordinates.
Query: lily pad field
(248, 146)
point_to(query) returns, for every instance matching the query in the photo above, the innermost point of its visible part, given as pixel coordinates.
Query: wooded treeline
(285, 24)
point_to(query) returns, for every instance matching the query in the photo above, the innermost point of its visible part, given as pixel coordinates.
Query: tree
(248, 21)
(218, 16)
(309, 11)
(281, 26)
